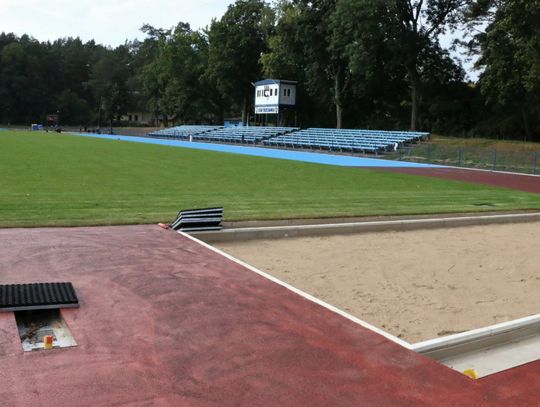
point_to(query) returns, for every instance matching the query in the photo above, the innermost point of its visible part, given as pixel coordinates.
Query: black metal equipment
(20, 297)
(193, 220)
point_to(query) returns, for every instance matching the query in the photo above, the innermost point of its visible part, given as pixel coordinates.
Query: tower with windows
(275, 98)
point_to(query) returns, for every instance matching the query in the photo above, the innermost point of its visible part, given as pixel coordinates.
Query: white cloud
(108, 22)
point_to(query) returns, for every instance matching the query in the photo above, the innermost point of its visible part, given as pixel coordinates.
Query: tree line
(358, 63)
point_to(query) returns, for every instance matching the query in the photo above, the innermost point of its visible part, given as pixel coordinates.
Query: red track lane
(165, 321)
(520, 182)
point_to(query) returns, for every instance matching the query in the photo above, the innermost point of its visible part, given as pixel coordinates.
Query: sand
(417, 285)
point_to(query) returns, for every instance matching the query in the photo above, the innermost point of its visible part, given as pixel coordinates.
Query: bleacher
(342, 140)
(346, 140)
(183, 132)
(248, 135)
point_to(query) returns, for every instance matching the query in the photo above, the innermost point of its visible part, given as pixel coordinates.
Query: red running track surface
(522, 182)
(165, 321)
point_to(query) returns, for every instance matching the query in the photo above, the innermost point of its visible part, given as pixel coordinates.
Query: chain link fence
(513, 160)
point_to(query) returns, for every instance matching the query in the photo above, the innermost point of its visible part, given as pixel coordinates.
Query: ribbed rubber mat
(198, 219)
(15, 297)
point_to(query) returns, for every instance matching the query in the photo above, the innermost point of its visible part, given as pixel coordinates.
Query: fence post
(535, 162)
(494, 159)
(459, 156)
(400, 154)
(429, 153)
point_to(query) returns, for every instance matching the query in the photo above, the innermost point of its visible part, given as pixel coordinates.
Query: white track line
(419, 347)
(486, 170)
(303, 294)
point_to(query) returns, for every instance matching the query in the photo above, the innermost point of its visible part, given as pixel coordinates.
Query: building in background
(275, 101)
(137, 118)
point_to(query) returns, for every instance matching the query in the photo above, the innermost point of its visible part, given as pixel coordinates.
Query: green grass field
(51, 180)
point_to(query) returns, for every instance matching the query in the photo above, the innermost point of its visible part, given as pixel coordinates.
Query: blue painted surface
(317, 158)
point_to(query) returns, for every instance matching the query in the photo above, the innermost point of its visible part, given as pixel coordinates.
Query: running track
(522, 182)
(166, 321)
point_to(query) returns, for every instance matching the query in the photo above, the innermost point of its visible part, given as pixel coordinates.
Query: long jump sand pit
(417, 285)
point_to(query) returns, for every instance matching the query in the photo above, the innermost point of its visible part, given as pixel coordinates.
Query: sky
(112, 22)
(109, 22)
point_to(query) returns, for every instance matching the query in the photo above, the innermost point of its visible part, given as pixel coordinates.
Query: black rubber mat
(198, 219)
(14, 297)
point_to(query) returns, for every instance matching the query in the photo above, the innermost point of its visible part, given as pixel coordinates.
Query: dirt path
(419, 284)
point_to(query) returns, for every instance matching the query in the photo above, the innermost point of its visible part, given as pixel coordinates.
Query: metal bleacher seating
(352, 140)
(343, 140)
(248, 135)
(183, 132)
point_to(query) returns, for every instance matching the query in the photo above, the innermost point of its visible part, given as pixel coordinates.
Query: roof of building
(274, 82)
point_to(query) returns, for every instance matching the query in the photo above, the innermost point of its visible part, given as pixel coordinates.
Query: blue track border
(308, 157)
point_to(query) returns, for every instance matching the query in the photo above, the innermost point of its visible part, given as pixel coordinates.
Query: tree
(175, 79)
(147, 77)
(183, 62)
(108, 83)
(377, 85)
(236, 43)
(303, 47)
(413, 27)
(509, 50)
(368, 39)
(24, 88)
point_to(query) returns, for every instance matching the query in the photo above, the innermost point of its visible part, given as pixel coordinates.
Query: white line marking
(419, 347)
(307, 296)
(486, 170)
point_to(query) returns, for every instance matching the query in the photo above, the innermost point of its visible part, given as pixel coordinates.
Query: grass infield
(49, 179)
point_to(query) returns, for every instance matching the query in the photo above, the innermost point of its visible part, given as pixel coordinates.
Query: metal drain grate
(18, 297)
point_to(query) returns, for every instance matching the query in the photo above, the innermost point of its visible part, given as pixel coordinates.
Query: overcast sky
(109, 22)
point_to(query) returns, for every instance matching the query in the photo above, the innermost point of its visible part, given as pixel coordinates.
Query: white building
(137, 117)
(273, 95)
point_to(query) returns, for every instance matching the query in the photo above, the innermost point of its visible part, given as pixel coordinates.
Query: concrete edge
(277, 232)
(440, 348)
(254, 223)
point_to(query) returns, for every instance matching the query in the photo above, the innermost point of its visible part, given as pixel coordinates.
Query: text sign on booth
(267, 110)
